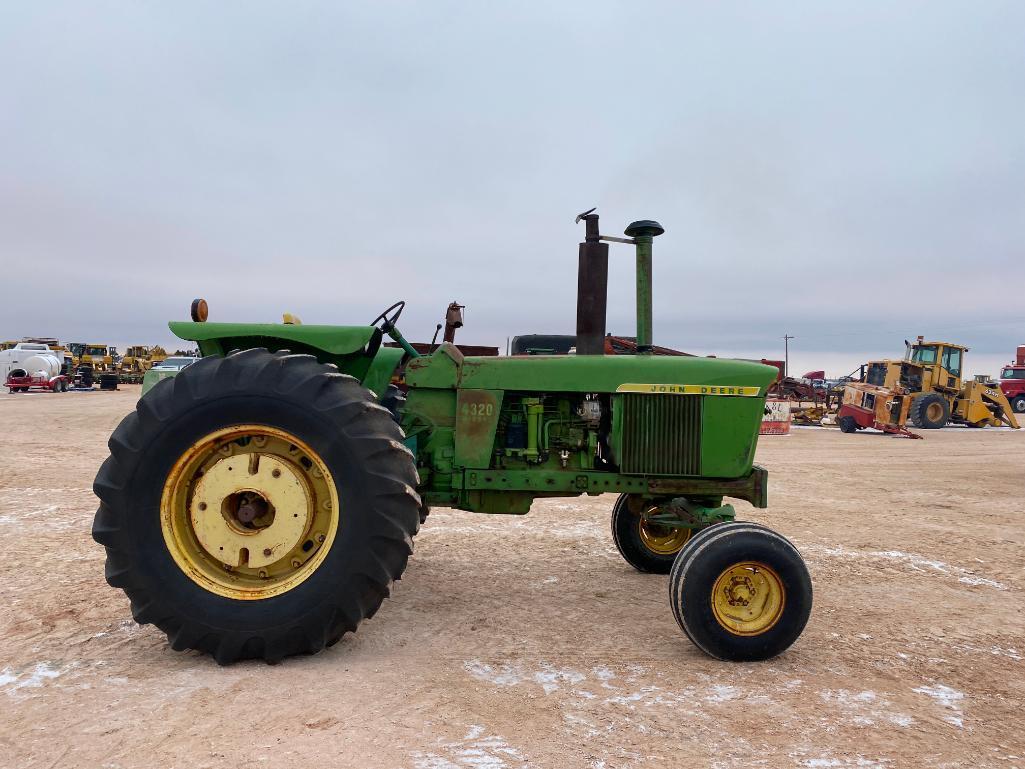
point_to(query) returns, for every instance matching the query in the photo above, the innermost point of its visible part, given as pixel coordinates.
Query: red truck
(1012, 381)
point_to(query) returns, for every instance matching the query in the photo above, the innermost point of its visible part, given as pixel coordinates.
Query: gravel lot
(527, 641)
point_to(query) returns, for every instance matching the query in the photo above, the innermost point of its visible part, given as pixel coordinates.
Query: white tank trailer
(29, 364)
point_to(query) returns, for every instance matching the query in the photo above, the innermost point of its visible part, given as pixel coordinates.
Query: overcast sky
(849, 173)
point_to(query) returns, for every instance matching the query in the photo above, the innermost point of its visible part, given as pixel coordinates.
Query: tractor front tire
(740, 592)
(257, 505)
(1018, 404)
(848, 424)
(648, 547)
(930, 411)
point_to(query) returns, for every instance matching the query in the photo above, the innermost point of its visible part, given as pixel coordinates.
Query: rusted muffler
(592, 288)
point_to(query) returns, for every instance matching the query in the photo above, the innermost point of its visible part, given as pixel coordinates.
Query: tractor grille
(661, 434)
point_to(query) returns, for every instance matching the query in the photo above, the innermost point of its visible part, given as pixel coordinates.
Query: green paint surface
(335, 340)
(602, 373)
(347, 347)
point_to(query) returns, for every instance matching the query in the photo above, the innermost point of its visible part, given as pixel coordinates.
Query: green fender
(355, 350)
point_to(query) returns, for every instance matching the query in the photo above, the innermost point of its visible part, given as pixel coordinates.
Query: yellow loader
(931, 373)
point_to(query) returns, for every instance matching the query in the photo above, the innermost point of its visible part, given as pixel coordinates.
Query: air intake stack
(642, 233)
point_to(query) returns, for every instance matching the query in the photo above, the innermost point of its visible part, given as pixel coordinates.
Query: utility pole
(786, 354)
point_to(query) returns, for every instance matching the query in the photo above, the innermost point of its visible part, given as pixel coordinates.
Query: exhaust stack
(592, 288)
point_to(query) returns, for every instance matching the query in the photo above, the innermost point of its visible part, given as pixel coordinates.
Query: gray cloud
(850, 174)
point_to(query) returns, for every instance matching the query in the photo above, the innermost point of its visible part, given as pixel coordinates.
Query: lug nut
(296, 563)
(321, 537)
(267, 551)
(263, 574)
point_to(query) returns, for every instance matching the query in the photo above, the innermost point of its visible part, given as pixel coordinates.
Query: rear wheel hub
(244, 506)
(249, 512)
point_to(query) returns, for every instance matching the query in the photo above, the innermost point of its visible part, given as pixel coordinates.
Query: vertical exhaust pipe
(592, 288)
(453, 320)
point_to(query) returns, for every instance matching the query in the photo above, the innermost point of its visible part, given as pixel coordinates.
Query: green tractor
(260, 503)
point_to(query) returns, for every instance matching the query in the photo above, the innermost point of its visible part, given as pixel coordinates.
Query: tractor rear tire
(848, 424)
(930, 411)
(647, 547)
(1018, 404)
(740, 592)
(395, 401)
(356, 485)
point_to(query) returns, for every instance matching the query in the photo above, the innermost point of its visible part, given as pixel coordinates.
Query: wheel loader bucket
(980, 404)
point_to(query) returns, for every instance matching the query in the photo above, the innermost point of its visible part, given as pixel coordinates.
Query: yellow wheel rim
(662, 540)
(934, 412)
(249, 512)
(748, 598)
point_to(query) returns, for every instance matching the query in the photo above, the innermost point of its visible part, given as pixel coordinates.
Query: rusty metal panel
(476, 422)
(592, 297)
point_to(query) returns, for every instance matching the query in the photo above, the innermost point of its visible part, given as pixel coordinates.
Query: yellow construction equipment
(931, 372)
(137, 360)
(99, 356)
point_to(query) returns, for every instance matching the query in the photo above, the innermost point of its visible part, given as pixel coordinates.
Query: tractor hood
(591, 373)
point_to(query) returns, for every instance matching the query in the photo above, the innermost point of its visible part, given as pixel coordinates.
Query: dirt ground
(528, 642)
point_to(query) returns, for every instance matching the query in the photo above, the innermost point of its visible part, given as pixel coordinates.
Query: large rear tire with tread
(332, 437)
(740, 592)
(930, 411)
(395, 401)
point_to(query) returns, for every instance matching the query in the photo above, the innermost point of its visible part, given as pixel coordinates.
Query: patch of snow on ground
(32, 678)
(550, 677)
(723, 693)
(915, 562)
(949, 699)
(476, 749)
(865, 708)
(501, 675)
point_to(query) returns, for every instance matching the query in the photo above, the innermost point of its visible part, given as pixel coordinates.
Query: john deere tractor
(261, 503)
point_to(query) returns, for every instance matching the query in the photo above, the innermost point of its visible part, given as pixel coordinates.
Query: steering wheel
(389, 322)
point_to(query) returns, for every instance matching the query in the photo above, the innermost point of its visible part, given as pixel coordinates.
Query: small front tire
(741, 592)
(848, 424)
